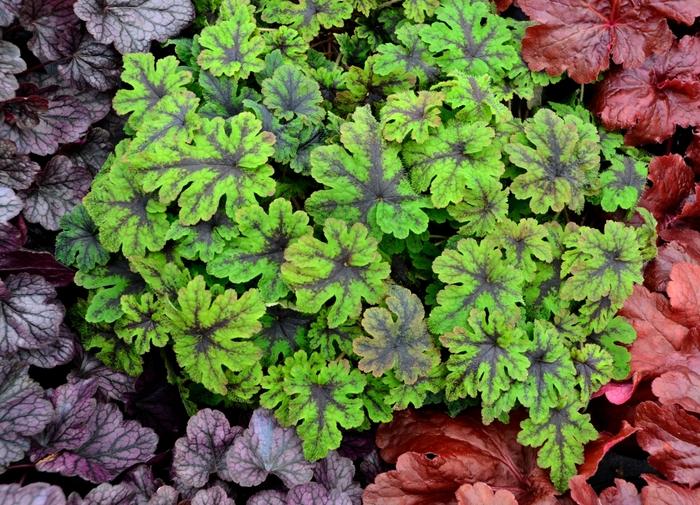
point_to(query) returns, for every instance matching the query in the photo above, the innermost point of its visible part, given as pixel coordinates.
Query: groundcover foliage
(337, 239)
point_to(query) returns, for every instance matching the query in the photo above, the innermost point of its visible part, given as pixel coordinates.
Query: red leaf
(437, 454)
(672, 181)
(661, 492)
(596, 450)
(693, 151)
(649, 101)
(619, 393)
(623, 493)
(683, 11)
(579, 36)
(681, 386)
(483, 494)
(672, 438)
(684, 292)
(503, 5)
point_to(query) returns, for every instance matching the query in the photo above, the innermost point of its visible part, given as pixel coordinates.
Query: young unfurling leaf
(407, 113)
(403, 345)
(211, 331)
(366, 181)
(347, 267)
(561, 168)
(321, 397)
(260, 249)
(478, 276)
(486, 357)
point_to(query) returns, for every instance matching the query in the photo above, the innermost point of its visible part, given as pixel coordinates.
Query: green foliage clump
(336, 239)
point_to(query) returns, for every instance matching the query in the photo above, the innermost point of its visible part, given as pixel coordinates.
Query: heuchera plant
(337, 240)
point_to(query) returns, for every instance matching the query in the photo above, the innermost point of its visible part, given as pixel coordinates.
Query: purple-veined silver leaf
(11, 63)
(94, 150)
(202, 452)
(165, 495)
(111, 383)
(308, 494)
(92, 65)
(10, 204)
(336, 473)
(30, 316)
(38, 493)
(267, 448)
(59, 188)
(8, 11)
(53, 24)
(90, 439)
(132, 24)
(212, 496)
(23, 411)
(268, 498)
(107, 494)
(16, 171)
(58, 352)
(64, 120)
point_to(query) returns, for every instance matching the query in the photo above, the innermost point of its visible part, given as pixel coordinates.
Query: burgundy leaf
(595, 451)
(672, 181)
(16, 171)
(36, 263)
(580, 36)
(267, 448)
(650, 100)
(30, 316)
(11, 63)
(672, 438)
(92, 64)
(132, 24)
(12, 236)
(337, 473)
(37, 493)
(202, 452)
(683, 11)
(212, 496)
(23, 411)
(59, 187)
(53, 24)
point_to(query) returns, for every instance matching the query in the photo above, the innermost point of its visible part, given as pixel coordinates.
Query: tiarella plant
(340, 238)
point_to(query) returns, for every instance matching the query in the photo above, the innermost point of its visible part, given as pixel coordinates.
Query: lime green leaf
(211, 331)
(561, 435)
(367, 181)
(320, 397)
(291, 46)
(471, 38)
(478, 276)
(307, 16)
(204, 240)
(561, 168)
(290, 93)
(411, 57)
(407, 113)
(524, 242)
(77, 244)
(227, 158)
(594, 367)
(401, 395)
(231, 47)
(622, 183)
(458, 156)
(140, 325)
(347, 267)
(398, 338)
(481, 208)
(617, 331)
(475, 98)
(485, 358)
(418, 10)
(150, 80)
(172, 119)
(222, 96)
(259, 251)
(331, 342)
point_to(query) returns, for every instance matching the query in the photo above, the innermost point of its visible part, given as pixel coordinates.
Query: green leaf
(418, 10)
(561, 436)
(561, 168)
(622, 183)
(307, 16)
(481, 208)
(319, 397)
(228, 158)
(125, 215)
(223, 97)
(485, 358)
(401, 395)
(291, 46)
(475, 98)
(550, 376)
(478, 276)
(231, 48)
(469, 37)
(411, 57)
(407, 113)
(150, 81)
(77, 244)
(398, 338)
(140, 326)
(524, 242)
(259, 251)
(113, 352)
(602, 265)
(211, 331)
(290, 93)
(458, 156)
(366, 180)
(617, 331)
(172, 119)
(594, 367)
(330, 342)
(347, 267)
(204, 240)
